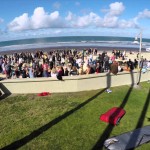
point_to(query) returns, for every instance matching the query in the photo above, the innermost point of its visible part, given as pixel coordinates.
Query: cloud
(1, 20)
(87, 20)
(69, 16)
(56, 5)
(144, 14)
(39, 19)
(111, 17)
(116, 8)
(42, 19)
(109, 20)
(20, 23)
(1, 32)
(127, 24)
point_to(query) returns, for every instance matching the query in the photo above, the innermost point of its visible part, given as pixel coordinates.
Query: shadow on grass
(139, 78)
(5, 91)
(19, 143)
(108, 80)
(135, 136)
(109, 128)
(140, 72)
(148, 119)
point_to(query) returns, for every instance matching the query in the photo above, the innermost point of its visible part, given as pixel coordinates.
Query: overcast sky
(42, 18)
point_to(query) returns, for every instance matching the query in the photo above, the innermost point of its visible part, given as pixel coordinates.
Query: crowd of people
(58, 63)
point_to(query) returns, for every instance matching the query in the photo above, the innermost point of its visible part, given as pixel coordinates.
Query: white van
(148, 49)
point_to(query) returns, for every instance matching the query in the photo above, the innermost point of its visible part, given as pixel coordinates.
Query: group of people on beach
(58, 63)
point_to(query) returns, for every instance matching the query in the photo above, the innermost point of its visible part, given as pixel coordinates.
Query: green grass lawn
(70, 121)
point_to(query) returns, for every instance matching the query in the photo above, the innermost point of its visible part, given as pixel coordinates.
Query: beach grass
(70, 121)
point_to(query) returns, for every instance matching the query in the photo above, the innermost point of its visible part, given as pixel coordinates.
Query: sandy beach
(135, 51)
(132, 56)
(144, 55)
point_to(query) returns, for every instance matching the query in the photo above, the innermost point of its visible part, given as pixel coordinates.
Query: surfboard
(129, 140)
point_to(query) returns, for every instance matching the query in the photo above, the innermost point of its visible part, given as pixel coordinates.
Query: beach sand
(100, 49)
(144, 55)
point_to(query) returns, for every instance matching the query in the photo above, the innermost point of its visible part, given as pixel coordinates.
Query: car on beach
(148, 49)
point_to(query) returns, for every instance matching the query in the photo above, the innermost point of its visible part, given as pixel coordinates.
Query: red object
(113, 115)
(44, 94)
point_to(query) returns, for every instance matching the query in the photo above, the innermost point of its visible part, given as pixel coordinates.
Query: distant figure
(81, 72)
(89, 70)
(66, 72)
(53, 72)
(130, 65)
(45, 69)
(59, 73)
(130, 52)
(74, 71)
(137, 56)
(114, 68)
(135, 63)
(123, 55)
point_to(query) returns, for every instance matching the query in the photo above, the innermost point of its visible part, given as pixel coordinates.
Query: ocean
(72, 41)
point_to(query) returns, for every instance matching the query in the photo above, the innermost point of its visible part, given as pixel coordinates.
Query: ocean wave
(67, 42)
(113, 44)
(84, 41)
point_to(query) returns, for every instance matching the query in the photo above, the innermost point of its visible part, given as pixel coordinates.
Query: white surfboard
(129, 140)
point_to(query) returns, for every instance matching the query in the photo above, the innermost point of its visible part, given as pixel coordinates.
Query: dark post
(83, 55)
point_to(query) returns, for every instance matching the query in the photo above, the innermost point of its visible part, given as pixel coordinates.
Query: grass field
(70, 121)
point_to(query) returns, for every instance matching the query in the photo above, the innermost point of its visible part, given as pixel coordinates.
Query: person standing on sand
(123, 55)
(31, 72)
(114, 68)
(59, 73)
(135, 63)
(1, 62)
(130, 65)
(8, 70)
(106, 62)
(45, 69)
(66, 72)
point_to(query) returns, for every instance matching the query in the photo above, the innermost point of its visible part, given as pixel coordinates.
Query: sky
(20, 19)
